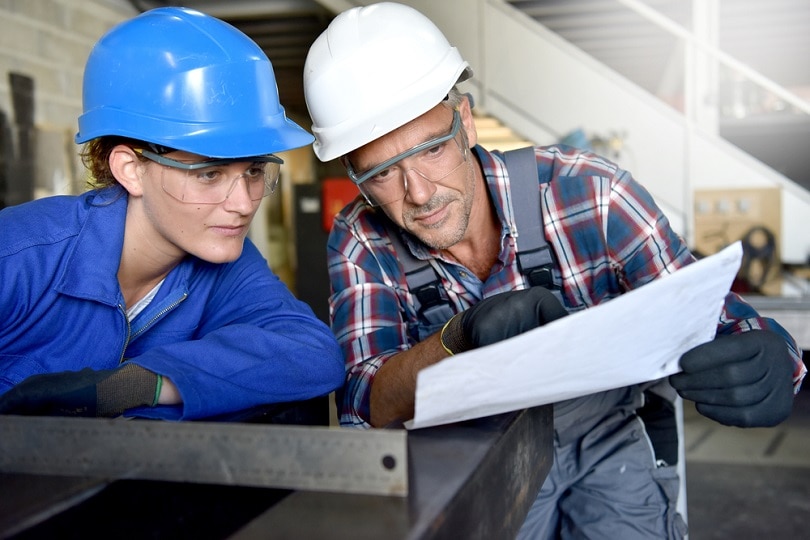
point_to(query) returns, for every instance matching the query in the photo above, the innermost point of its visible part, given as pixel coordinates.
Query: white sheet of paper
(636, 337)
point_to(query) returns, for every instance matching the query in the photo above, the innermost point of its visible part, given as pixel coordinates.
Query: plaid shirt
(608, 235)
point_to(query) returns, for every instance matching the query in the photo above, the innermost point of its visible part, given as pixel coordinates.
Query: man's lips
(432, 217)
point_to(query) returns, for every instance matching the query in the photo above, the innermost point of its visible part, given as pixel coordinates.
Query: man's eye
(382, 176)
(434, 151)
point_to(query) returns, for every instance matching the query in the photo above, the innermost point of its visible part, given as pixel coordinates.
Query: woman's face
(212, 231)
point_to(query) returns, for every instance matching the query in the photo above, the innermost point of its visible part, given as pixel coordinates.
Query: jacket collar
(91, 270)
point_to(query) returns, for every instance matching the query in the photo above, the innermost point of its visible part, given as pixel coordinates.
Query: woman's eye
(255, 173)
(209, 176)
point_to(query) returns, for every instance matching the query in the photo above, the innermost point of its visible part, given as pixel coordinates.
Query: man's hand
(82, 393)
(500, 317)
(743, 380)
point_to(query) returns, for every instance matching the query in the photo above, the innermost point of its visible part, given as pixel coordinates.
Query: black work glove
(82, 393)
(743, 380)
(500, 317)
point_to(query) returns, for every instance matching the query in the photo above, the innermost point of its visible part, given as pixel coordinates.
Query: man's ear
(127, 169)
(467, 120)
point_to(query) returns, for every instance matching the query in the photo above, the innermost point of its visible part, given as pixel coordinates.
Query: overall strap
(423, 282)
(534, 256)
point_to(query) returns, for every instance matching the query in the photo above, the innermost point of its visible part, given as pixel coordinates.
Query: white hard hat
(374, 69)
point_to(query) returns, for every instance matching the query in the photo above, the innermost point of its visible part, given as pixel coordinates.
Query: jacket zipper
(157, 316)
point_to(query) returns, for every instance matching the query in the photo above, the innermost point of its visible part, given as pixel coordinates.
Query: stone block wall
(43, 48)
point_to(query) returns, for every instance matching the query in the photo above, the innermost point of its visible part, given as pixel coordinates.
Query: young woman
(144, 296)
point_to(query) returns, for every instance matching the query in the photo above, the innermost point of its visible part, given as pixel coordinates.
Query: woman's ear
(467, 120)
(127, 169)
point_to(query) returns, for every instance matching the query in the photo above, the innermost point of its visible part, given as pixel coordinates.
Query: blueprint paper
(633, 338)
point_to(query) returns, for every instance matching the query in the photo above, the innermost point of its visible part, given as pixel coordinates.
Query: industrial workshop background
(706, 102)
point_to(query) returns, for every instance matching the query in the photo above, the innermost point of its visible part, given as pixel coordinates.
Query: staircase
(769, 37)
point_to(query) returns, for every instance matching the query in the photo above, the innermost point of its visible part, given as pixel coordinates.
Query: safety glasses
(433, 160)
(211, 182)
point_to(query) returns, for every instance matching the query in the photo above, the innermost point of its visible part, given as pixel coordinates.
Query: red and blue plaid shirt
(607, 233)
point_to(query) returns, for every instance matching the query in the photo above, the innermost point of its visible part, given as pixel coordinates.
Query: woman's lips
(230, 230)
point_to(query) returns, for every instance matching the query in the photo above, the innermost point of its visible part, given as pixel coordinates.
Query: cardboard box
(751, 215)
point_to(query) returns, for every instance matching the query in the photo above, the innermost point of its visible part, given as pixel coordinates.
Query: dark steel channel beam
(475, 479)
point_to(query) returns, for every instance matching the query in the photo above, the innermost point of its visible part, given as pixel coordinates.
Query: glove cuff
(452, 336)
(129, 386)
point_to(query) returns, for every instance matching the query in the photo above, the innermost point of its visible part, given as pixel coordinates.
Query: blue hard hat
(185, 80)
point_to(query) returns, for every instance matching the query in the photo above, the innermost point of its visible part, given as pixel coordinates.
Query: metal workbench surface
(475, 479)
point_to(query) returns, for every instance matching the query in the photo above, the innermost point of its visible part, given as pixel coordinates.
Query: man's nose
(418, 189)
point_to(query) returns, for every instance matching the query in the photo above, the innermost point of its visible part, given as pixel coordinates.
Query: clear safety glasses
(433, 160)
(208, 182)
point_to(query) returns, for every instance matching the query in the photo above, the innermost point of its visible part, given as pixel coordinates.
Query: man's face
(429, 192)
